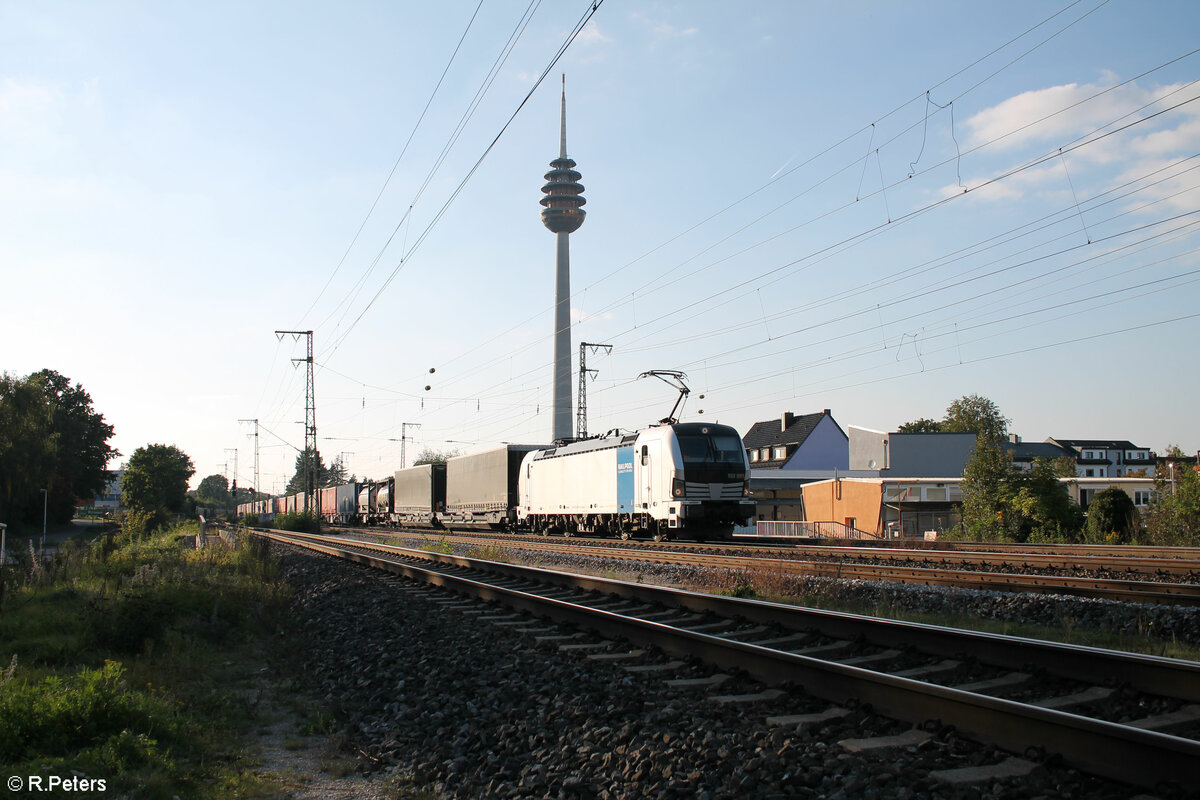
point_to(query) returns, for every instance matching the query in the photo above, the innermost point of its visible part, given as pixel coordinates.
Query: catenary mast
(562, 213)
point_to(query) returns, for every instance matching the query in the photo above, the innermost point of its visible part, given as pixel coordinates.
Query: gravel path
(448, 705)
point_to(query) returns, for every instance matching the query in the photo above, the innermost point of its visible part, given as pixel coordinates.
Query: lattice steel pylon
(254, 488)
(310, 455)
(581, 412)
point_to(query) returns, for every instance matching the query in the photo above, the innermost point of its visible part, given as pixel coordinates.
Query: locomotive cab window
(645, 455)
(711, 453)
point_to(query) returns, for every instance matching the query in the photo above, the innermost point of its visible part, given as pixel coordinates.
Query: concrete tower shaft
(562, 213)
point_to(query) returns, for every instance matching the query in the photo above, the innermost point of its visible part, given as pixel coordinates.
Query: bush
(90, 718)
(1112, 517)
(302, 521)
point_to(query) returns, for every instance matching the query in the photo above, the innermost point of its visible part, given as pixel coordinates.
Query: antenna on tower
(671, 377)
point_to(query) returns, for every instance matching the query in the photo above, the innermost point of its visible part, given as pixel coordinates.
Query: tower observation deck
(562, 213)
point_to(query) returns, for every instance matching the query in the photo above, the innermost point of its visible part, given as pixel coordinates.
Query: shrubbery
(91, 721)
(116, 655)
(302, 521)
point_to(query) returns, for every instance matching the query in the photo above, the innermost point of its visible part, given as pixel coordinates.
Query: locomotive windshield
(719, 448)
(711, 453)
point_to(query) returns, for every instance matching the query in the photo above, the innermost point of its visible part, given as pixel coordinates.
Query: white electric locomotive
(691, 478)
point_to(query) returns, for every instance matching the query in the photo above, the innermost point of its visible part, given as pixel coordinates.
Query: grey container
(482, 488)
(420, 493)
(347, 501)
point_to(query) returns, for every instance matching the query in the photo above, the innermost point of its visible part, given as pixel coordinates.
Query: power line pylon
(254, 488)
(233, 484)
(404, 426)
(581, 414)
(312, 457)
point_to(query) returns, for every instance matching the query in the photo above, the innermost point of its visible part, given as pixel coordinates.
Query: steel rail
(1105, 588)
(1142, 564)
(1146, 560)
(1171, 559)
(1112, 750)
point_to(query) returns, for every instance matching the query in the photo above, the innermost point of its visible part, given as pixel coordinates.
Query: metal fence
(810, 530)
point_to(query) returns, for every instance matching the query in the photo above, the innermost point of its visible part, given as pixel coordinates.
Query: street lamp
(45, 506)
(1171, 466)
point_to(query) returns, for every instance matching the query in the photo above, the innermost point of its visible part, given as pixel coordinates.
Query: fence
(810, 530)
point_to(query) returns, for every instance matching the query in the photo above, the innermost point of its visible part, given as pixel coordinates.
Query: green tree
(1039, 506)
(1001, 503)
(1174, 516)
(28, 446)
(922, 425)
(976, 414)
(156, 480)
(430, 456)
(986, 484)
(326, 476)
(1112, 516)
(213, 491)
(83, 452)
(336, 475)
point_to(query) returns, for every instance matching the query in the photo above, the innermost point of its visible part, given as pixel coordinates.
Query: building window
(1143, 497)
(753, 455)
(1089, 473)
(779, 452)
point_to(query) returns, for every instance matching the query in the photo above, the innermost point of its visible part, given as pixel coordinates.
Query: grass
(441, 545)
(490, 552)
(127, 661)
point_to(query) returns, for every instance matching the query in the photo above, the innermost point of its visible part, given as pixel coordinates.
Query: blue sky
(775, 206)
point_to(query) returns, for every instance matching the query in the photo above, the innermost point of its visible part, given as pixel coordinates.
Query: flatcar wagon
(482, 489)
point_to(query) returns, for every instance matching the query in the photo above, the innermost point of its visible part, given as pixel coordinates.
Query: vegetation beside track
(130, 661)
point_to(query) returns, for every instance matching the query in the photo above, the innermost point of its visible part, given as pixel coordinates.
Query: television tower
(562, 213)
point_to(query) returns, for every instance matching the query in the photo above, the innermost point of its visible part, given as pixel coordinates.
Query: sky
(874, 208)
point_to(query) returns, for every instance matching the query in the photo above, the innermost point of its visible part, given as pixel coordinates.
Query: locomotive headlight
(677, 488)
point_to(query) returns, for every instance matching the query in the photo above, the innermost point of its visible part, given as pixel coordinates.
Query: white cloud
(1060, 114)
(1047, 177)
(591, 36)
(663, 29)
(1170, 141)
(1033, 123)
(27, 110)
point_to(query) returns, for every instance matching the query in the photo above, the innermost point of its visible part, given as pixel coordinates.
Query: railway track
(1131, 718)
(789, 561)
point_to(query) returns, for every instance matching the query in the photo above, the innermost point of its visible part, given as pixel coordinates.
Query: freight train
(690, 479)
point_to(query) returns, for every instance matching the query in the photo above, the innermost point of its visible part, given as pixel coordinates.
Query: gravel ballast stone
(459, 707)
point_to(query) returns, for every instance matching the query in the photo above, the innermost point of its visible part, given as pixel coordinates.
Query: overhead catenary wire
(652, 343)
(592, 9)
(396, 165)
(780, 175)
(1098, 133)
(485, 84)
